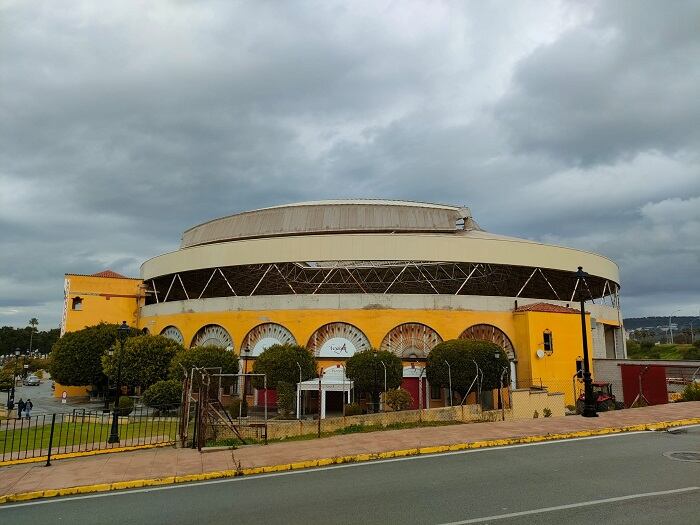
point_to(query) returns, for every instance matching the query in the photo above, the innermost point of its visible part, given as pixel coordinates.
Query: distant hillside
(633, 323)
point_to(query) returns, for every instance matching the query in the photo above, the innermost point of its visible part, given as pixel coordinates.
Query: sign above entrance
(337, 347)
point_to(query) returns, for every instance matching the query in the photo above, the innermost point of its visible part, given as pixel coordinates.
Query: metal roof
(333, 216)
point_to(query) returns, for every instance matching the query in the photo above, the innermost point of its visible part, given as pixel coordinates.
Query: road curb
(322, 462)
(69, 455)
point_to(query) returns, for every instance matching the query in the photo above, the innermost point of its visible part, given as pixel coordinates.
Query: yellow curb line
(355, 458)
(68, 455)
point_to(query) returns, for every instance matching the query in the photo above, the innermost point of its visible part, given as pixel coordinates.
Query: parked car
(32, 380)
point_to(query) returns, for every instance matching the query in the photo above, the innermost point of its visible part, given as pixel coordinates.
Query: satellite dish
(540, 353)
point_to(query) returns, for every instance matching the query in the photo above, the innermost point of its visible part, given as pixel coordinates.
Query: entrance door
(411, 385)
(334, 403)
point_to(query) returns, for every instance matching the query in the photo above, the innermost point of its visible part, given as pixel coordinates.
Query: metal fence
(215, 413)
(81, 430)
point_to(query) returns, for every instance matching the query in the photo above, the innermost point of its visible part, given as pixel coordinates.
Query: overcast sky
(122, 123)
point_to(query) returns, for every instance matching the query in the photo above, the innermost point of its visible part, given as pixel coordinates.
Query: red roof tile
(547, 307)
(110, 274)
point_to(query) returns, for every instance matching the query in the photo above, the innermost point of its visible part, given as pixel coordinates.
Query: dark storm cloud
(122, 125)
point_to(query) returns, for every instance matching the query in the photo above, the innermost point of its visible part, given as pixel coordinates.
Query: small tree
(203, 357)
(285, 398)
(5, 380)
(145, 359)
(279, 363)
(463, 356)
(76, 358)
(164, 395)
(399, 399)
(366, 371)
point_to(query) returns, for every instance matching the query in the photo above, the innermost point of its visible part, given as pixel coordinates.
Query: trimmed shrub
(285, 399)
(238, 404)
(546, 412)
(691, 392)
(399, 399)
(144, 360)
(126, 405)
(279, 364)
(461, 355)
(366, 371)
(203, 357)
(164, 395)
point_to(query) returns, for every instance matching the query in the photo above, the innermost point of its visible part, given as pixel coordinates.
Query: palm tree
(33, 322)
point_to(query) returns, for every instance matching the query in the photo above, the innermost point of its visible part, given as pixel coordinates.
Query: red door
(271, 397)
(411, 384)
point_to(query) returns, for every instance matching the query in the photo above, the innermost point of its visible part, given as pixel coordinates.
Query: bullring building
(343, 276)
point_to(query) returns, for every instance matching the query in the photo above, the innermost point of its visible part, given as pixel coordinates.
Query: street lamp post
(123, 333)
(449, 378)
(299, 392)
(589, 404)
(384, 365)
(670, 328)
(376, 384)
(105, 409)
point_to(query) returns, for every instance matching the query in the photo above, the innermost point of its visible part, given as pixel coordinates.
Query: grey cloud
(620, 84)
(122, 126)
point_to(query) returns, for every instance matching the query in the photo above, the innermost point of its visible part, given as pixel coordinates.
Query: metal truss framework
(380, 277)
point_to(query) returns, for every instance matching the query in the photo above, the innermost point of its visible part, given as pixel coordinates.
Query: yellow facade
(104, 298)
(525, 330)
(94, 299)
(554, 370)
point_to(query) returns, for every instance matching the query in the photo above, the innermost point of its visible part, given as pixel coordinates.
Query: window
(548, 342)
(77, 303)
(435, 392)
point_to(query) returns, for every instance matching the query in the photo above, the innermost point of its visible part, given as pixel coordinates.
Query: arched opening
(212, 335)
(264, 336)
(411, 340)
(172, 332)
(493, 334)
(337, 340)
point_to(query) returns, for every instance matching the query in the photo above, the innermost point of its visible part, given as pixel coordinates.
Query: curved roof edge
(332, 216)
(466, 247)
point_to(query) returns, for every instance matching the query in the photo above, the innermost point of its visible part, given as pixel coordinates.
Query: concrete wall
(279, 429)
(526, 402)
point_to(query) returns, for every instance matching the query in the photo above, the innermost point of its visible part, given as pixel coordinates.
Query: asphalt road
(44, 401)
(616, 479)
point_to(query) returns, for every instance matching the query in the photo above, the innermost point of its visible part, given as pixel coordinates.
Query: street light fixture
(589, 405)
(449, 378)
(122, 333)
(670, 329)
(105, 409)
(382, 362)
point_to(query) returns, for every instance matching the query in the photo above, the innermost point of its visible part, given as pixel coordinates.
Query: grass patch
(81, 435)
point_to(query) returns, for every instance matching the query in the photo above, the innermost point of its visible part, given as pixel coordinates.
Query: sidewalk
(168, 462)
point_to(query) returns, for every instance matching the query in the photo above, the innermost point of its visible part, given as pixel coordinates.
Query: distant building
(343, 276)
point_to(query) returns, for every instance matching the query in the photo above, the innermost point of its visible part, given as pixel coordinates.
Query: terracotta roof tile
(546, 307)
(109, 274)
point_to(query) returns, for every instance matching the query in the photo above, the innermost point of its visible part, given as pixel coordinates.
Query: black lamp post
(123, 333)
(589, 403)
(105, 409)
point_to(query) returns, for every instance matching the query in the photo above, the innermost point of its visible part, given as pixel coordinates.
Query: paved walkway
(163, 462)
